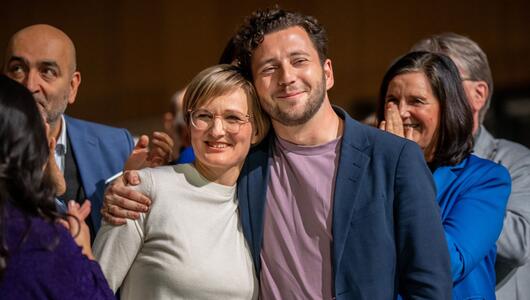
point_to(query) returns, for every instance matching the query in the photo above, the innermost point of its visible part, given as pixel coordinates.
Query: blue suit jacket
(472, 196)
(387, 234)
(100, 151)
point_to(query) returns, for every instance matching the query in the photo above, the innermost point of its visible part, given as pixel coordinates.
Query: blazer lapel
(83, 146)
(352, 165)
(252, 192)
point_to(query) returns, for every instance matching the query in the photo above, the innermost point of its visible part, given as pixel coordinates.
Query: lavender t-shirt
(296, 261)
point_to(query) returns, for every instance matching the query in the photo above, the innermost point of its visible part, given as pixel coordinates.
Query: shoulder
(91, 127)
(107, 136)
(476, 170)
(511, 153)
(161, 179)
(377, 143)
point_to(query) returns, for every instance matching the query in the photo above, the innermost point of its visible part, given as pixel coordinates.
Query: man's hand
(146, 156)
(162, 150)
(122, 202)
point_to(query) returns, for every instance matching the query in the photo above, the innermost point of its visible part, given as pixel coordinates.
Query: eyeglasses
(203, 119)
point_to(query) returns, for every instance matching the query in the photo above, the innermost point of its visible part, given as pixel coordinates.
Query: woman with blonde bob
(190, 244)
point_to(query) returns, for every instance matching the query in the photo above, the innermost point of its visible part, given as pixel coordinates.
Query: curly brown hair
(262, 22)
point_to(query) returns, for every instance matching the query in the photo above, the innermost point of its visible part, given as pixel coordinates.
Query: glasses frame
(226, 126)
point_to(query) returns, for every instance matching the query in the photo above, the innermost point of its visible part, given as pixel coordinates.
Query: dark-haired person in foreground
(422, 99)
(38, 257)
(330, 208)
(512, 265)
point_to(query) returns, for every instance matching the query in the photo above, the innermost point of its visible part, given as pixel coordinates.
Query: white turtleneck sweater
(189, 245)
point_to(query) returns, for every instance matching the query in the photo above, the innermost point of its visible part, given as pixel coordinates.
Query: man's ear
(479, 95)
(75, 81)
(328, 74)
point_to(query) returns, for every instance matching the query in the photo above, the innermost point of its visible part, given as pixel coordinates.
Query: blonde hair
(220, 80)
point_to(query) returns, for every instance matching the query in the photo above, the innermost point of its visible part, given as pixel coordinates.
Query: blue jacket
(100, 151)
(387, 234)
(472, 196)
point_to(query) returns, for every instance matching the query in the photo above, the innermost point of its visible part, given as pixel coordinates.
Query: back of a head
(23, 154)
(262, 22)
(24, 149)
(466, 54)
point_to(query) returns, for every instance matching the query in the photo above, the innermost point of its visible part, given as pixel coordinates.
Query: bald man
(43, 58)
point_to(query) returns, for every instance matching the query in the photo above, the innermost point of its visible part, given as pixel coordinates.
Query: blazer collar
(353, 162)
(445, 175)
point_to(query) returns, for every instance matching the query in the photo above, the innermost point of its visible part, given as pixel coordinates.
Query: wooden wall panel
(134, 54)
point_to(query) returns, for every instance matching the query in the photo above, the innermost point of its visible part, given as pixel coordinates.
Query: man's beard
(314, 102)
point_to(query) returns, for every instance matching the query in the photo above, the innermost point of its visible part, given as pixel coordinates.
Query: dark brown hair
(262, 22)
(455, 138)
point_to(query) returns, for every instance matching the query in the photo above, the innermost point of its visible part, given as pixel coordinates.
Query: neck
(323, 127)
(224, 176)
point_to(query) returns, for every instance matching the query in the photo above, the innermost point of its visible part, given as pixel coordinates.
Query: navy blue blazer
(387, 233)
(472, 196)
(100, 151)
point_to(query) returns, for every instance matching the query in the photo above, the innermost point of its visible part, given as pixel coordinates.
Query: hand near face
(52, 171)
(146, 156)
(76, 225)
(393, 122)
(122, 202)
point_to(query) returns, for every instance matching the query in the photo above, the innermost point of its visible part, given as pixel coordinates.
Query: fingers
(73, 218)
(142, 143)
(123, 196)
(382, 125)
(129, 203)
(111, 219)
(393, 123)
(64, 223)
(131, 177)
(84, 210)
(162, 147)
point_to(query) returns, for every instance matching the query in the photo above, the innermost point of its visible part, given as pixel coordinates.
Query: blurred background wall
(133, 55)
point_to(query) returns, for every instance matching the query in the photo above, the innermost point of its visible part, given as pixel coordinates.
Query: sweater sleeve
(116, 247)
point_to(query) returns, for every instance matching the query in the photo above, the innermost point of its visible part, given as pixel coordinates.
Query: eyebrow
(291, 55)
(46, 63)
(17, 59)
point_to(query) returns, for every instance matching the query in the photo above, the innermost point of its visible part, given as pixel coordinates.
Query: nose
(286, 75)
(403, 109)
(217, 129)
(31, 82)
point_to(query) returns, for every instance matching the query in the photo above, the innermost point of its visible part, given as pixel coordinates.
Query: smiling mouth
(217, 145)
(289, 95)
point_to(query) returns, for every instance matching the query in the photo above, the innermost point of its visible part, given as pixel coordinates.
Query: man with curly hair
(331, 208)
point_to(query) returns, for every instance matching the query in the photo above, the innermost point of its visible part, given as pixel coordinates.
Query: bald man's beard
(49, 112)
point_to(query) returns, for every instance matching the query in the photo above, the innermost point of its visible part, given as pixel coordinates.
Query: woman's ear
(255, 136)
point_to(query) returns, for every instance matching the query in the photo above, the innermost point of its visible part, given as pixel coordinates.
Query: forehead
(411, 83)
(36, 48)
(284, 42)
(235, 99)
